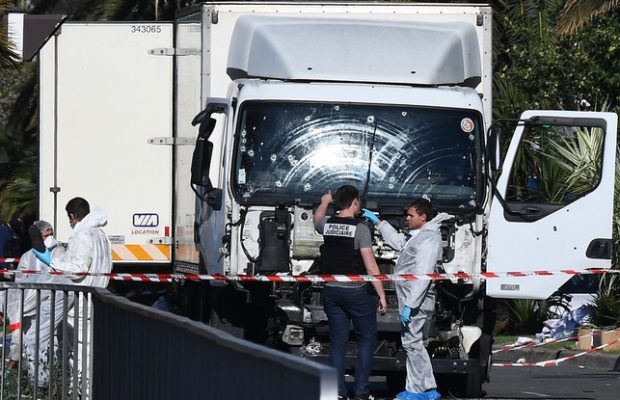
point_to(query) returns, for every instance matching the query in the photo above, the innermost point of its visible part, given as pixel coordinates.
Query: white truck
(212, 139)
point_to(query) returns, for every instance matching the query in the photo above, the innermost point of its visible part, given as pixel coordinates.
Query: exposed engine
(284, 240)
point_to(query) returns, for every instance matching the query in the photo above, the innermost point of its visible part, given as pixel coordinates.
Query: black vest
(338, 253)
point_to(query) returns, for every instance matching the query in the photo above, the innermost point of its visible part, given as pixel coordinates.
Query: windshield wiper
(372, 148)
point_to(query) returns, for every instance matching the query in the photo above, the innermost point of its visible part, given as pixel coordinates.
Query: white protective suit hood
(96, 218)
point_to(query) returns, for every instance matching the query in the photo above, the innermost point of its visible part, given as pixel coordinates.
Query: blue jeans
(343, 305)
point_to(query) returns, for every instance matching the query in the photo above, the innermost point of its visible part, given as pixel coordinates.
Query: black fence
(85, 343)
(143, 353)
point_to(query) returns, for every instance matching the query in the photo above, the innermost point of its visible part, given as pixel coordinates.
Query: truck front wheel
(395, 381)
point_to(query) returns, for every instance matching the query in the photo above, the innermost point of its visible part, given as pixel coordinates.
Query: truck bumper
(398, 362)
(454, 366)
(380, 364)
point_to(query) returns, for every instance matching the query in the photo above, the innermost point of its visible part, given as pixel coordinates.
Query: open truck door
(556, 206)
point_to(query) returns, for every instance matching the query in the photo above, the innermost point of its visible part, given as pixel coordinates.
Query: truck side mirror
(201, 160)
(494, 149)
(206, 128)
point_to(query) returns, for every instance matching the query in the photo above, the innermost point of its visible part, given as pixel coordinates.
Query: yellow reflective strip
(138, 251)
(165, 249)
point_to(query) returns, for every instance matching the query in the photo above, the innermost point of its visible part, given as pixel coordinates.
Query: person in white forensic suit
(420, 251)
(90, 251)
(23, 322)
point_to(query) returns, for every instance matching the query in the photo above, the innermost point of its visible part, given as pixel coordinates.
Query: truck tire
(395, 381)
(194, 300)
(485, 356)
(460, 385)
(473, 385)
(227, 311)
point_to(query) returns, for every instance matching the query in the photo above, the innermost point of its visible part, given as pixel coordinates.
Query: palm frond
(527, 21)
(579, 157)
(7, 49)
(577, 13)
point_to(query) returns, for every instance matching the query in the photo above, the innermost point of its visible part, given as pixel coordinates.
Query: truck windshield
(288, 152)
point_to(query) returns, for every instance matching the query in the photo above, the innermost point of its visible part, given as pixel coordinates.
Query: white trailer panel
(94, 69)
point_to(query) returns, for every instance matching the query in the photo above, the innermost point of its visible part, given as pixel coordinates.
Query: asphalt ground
(597, 362)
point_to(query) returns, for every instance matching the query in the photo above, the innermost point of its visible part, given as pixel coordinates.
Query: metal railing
(63, 341)
(43, 331)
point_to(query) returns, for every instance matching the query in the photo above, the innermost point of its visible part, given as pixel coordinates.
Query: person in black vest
(347, 249)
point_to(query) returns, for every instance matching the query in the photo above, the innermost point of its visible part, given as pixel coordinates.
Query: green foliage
(7, 51)
(526, 316)
(61, 381)
(565, 163)
(18, 141)
(577, 13)
(606, 304)
(26, 383)
(576, 72)
(572, 164)
(615, 258)
(127, 10)
(579, 158)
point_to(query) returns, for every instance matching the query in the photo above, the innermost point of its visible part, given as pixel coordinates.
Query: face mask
(50, 242)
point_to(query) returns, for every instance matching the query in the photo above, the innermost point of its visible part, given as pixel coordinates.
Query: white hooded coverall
(88, 250)
(418, 255)
(28, 261)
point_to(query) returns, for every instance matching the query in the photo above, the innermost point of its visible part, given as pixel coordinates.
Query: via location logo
(145, 220)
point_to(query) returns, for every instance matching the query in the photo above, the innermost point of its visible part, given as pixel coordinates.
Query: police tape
(531, 345)
(321, 278)
(9, 260)
(554, 363)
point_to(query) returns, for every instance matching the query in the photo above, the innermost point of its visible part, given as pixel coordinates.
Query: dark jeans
(343, 305)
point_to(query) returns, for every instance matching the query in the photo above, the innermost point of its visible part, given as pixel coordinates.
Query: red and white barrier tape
(9, 260)
(554, 363)
(314, 278)
(531, 345)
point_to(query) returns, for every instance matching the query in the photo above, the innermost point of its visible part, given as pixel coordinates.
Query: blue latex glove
(405, 316)
(45, 257)
(370, 216)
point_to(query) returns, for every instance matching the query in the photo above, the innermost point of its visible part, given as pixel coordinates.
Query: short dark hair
(79, 207)
(345, 196)
(423, 206)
